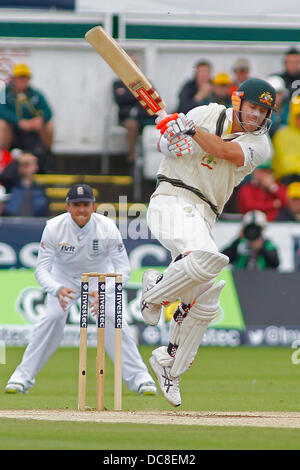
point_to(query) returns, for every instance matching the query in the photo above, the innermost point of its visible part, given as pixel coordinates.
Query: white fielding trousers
(48, 334)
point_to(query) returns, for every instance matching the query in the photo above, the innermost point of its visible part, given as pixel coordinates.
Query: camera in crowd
(252, 232)
(254, 223)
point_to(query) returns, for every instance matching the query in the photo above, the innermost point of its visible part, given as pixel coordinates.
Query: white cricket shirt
(215, 178)
(66, 251)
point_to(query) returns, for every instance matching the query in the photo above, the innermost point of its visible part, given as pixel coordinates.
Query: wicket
(100, 358)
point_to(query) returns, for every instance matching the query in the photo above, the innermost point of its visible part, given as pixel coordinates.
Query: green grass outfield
(221, 379)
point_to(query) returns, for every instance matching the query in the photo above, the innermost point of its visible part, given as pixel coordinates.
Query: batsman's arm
(218, 148)
(212, 144)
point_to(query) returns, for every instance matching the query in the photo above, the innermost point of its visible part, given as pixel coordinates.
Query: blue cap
(80, 193)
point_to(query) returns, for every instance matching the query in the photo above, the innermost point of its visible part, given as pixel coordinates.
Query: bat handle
(161, 114)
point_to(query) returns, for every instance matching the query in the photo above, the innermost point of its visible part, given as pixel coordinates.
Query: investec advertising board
(256, 308)
(24, 303)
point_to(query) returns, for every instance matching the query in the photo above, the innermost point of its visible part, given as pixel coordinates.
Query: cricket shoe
(169, 385)
(147, 389)
(14, 387)
(151, 312)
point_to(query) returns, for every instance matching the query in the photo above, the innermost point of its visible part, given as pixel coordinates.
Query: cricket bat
(127, 71)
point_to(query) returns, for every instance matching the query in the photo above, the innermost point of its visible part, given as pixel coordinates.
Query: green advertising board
(22, 303)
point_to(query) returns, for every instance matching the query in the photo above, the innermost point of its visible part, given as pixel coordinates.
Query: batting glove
(161, 124)
(180, 145)
(180, 124)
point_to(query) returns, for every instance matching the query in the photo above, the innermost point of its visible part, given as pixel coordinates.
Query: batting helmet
(255, 91)
(258, 92)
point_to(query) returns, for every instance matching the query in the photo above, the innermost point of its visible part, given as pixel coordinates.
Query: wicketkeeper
(206, 154)
(72, 243)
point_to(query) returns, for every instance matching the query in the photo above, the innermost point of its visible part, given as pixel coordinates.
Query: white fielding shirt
(66, 251)
(214, 177)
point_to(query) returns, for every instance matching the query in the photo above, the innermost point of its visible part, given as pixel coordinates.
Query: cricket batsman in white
(72, 243)
(206, 154)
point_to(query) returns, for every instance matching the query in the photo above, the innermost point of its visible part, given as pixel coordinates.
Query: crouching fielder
(73, 243)
(206, 154)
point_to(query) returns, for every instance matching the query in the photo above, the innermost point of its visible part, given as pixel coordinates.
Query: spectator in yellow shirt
(286, 143)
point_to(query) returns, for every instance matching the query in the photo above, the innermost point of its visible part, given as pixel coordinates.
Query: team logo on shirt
(95, 247)
(208, 161)
(66, 248)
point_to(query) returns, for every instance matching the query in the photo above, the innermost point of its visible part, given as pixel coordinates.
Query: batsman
(207, 153)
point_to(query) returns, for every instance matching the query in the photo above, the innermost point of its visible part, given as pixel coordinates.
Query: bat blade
(132, 77)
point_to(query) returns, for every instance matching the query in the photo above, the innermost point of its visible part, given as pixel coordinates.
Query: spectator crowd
(26, 135)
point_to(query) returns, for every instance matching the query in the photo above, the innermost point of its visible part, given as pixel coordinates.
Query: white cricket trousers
(179, 225)
(48, 334)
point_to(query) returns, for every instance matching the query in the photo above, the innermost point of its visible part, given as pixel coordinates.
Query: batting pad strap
(172, 348)
(181, 313)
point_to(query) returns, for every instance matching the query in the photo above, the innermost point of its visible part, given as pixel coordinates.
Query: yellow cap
(21, 70)
(222, 79)
(293, 191)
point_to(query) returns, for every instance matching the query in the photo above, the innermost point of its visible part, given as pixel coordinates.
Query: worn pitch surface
(193, 418)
